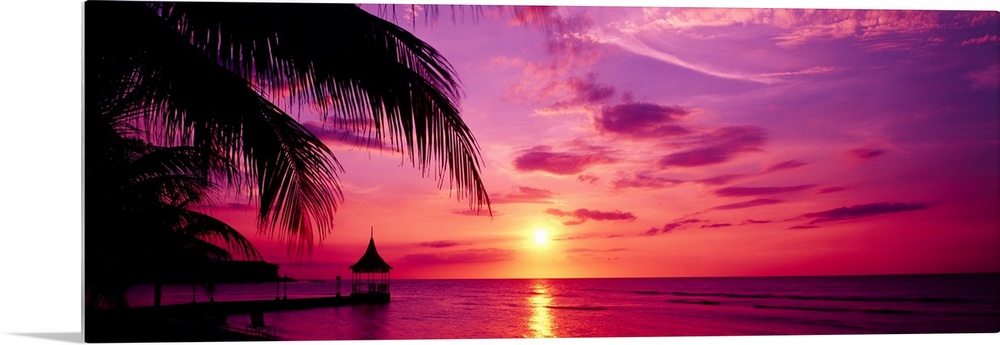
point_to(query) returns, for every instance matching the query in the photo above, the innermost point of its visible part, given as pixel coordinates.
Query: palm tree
(200, 74)
(141, 225)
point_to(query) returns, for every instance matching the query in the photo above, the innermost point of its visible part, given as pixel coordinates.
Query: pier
(268, 305)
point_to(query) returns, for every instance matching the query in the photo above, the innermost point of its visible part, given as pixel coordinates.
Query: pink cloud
(641, 120)
(752, 191)
(723, 144)
(987, 77)
(526, 195)
(795, 26)
(981, 40)
(582, 215)
(541, 158)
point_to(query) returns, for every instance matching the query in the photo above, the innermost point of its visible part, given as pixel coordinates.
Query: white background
(41, 176)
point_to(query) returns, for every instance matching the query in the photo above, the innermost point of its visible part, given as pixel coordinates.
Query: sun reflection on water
(541, 322)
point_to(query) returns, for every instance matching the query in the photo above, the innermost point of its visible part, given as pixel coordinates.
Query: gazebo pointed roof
(371, 261)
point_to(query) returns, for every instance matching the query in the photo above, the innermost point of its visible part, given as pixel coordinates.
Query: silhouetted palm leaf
(365, 69)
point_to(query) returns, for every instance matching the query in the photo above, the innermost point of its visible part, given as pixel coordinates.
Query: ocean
(627, 307)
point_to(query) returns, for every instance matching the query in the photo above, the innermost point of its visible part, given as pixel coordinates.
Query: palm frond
(345, 60)
(208, 228)
(185, 99)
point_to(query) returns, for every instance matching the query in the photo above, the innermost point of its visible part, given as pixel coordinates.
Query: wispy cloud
(865, 153)
(981, 40)
(747, 204)
(524, 195)
(862, 211)
(670, 227)
(460, 257)
(644, 180)
(786, 165)
(346, 136)
(582, 215)
(831, 190)
(754, 191)
(440, 244)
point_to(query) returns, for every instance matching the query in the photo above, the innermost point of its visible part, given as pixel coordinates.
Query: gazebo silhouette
(370, 274)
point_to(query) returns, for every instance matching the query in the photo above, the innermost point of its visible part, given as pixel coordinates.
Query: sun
(541, 237)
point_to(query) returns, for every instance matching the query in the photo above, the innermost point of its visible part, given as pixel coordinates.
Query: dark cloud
(722, 179)
(861, 211)
(830, 190)
(524, 195)
(460, 257)
(752, 221)
(592, 250)
(582, 215)
(753, 191)
(440, 244)
(716, 225)
(804, 227)
(586, 91)
(746, 204)
(587, 178)
(675, 225)
(641, 120)
(721, 146)
(865, 153)
(541, 158)
(652, 231)
(476, 213)
(785, 166)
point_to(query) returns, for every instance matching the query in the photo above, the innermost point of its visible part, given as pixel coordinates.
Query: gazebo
(370, 274)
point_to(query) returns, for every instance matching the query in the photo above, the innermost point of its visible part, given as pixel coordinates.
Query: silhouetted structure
(370, 274)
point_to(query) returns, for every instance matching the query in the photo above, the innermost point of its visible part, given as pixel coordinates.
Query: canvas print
(288, 171)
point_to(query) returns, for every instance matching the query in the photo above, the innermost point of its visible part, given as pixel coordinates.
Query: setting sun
(541, 237)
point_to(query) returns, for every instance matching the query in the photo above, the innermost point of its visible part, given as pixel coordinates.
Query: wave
(684, 301)
(574, 307)
(823, 298)
(872, 311)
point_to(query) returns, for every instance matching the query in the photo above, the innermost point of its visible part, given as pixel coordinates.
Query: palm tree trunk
(157, 294)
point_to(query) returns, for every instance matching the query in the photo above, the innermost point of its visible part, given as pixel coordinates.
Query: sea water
(628, 307)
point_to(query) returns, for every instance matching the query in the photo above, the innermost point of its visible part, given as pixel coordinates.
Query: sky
(666, 142)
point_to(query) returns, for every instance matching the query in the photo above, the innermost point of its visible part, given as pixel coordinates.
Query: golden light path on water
(541, 322)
